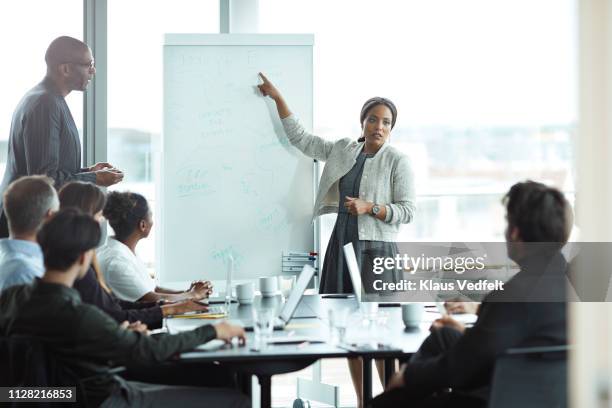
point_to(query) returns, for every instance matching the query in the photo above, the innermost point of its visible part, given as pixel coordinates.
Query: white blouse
(124, 272)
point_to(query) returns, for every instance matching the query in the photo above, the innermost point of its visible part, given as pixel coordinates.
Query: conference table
(384, 337)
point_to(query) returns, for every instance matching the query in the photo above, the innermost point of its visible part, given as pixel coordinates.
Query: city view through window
(477, 112)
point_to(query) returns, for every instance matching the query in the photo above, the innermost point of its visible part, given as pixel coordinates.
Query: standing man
(44, 138)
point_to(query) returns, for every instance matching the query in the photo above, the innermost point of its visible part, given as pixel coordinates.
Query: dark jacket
(44, 140)
(84, 338)
(91, 292)
(503, 322)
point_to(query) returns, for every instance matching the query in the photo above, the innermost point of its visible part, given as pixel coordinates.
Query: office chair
(531, 377)
(27, 364)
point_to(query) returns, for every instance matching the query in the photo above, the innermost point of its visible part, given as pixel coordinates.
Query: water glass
(368, 310)
(338, 323)
(263, 325)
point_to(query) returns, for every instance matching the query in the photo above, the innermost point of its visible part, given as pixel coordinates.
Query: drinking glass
(263, 325)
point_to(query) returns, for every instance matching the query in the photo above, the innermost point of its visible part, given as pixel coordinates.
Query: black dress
(335, 276)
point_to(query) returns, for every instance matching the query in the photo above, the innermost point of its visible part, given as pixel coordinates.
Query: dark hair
(124, 211)
(27, 201)
(66, 236)
(372, 102)
(541, 213)
(64, 49)
(87, 197)
(90, 199)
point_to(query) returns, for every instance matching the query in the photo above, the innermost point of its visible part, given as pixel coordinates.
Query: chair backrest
(27, 364)
(530, 377)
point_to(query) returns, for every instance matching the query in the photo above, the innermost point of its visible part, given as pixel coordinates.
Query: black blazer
(504, 321)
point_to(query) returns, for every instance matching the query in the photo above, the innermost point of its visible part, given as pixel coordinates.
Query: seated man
(28, 202)
(85, 340)
(530, 311)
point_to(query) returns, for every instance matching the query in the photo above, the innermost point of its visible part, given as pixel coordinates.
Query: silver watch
(375, 210)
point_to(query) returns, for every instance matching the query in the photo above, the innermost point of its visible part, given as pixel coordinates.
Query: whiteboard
(231, 182)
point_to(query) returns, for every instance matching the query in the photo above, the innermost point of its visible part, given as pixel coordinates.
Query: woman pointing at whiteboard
(365, 180)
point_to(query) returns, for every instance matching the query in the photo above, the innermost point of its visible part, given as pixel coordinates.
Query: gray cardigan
(387, 179)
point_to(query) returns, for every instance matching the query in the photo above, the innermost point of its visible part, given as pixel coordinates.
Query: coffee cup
(412, 314)
(245, 293)
(268, 285)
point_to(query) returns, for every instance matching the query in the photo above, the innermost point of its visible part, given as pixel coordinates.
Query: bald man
(44, 138)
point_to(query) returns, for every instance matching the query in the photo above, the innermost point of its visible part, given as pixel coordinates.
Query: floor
(334, 372)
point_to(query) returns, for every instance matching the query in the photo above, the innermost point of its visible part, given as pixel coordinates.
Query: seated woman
(129, 215)
(93, 290)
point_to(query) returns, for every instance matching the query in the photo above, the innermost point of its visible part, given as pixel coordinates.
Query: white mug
(245, 293)
(268, 285)
(412, 314)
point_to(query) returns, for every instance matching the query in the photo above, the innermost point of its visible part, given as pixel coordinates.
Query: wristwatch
(375, 210)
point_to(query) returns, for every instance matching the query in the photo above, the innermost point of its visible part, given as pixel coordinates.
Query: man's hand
(100, 166)
(397, 381)
(227, 332)
(135, 327)
(357, 206)
(182, 307)
(447, 322)
(108, 177)
(459, 307)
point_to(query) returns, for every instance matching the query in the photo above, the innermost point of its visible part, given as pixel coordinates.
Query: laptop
(292, 301)
(353, 267)
(355, 273)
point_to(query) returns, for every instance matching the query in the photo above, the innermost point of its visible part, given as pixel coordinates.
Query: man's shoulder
(20, 255)
(12, 299)
(17, 271)
(39, 98)
(17, 291)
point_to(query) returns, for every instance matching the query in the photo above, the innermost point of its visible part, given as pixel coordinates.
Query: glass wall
(24, 38)
(485, 89)
(136, 31)
(486, 93)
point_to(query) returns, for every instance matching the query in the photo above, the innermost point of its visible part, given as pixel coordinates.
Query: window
(24, 46)
(135, 84)
(486, 95)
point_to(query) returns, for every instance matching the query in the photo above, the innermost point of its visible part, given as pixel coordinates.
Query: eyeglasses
(88, 65)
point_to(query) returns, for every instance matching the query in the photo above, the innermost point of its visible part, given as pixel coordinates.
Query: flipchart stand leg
(316, 390)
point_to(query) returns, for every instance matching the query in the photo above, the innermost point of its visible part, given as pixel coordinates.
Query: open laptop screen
(353, 267)
(297, 292)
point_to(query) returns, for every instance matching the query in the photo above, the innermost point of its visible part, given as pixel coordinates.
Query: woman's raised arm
(268, 89)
